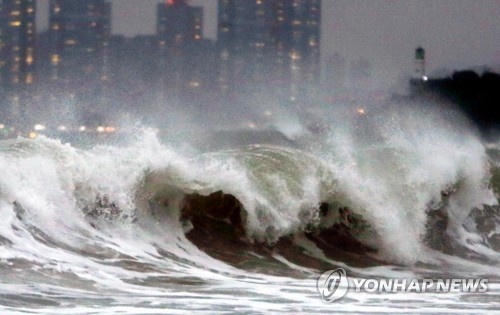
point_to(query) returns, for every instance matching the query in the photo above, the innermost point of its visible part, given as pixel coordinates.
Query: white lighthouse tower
(420, 73)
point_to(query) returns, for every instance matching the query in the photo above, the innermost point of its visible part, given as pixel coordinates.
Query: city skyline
(269, 49)
(142, 15)
(457, 34)
(266, 49)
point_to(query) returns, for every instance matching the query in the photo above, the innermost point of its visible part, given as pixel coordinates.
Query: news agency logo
(334, 284)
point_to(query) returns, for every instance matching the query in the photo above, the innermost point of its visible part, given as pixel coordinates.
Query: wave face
(136, 225)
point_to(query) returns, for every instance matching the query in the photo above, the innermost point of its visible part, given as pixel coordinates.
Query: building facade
(17, 52)
(180, 45)
(17, 41)
(269, 44)
(79, 40)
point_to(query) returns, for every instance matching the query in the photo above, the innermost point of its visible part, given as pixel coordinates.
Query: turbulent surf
(145, 226)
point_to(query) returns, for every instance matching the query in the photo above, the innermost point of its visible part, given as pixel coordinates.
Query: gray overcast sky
(456, 33)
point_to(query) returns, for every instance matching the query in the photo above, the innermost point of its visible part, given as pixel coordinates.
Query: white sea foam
(47, 240)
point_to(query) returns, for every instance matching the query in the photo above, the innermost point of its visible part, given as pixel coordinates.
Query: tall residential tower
(79, 39)
(181, 47)
(17, 51)
(17, 41)
(269, 43)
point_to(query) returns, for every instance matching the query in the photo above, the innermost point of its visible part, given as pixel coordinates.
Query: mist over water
(393, 166)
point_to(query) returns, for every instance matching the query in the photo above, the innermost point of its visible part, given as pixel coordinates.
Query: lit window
(55, 59)
(294, 55)
(29, 78)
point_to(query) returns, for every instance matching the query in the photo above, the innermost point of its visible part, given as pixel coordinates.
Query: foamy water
(56, 259)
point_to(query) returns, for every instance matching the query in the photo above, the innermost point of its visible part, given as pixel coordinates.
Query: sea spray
(395, 164)
(390, 174)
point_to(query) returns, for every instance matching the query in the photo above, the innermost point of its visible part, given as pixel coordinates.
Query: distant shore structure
(420, 73)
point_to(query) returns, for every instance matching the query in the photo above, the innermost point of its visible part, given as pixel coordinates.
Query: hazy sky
(456, 33)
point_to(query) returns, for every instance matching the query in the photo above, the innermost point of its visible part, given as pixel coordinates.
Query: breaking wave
(119, 215)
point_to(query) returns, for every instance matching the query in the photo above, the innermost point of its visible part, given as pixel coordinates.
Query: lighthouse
(420, 64)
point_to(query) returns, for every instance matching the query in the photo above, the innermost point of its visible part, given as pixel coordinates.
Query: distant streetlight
(40, 127)
(110, 129)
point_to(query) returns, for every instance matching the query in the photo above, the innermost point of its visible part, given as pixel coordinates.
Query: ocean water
(149, 226)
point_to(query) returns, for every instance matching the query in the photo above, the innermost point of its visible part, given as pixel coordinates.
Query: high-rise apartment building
(269, 43)
(79, 35)
(180, 41)
(17, 42)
